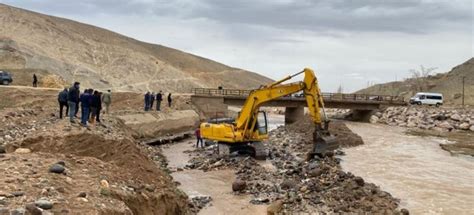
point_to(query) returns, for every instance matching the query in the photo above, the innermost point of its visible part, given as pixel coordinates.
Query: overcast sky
(347, 42)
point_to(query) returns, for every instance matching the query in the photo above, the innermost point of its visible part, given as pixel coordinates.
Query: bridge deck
(339, 98)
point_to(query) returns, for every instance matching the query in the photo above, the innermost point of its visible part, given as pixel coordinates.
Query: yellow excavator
(249, 130)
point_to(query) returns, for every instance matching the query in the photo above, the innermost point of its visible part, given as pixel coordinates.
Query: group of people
(150, 99)
(90, 102)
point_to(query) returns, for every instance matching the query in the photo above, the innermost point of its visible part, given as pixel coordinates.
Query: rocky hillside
(449, 84)
(72, 51)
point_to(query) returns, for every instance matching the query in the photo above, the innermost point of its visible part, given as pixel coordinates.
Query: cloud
(408, 16)
(346, 42)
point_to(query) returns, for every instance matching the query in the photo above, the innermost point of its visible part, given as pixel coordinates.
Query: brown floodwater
(217, 184)
(427, 179)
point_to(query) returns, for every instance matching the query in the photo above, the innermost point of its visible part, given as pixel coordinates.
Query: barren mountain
(72, 51)
(449, 84)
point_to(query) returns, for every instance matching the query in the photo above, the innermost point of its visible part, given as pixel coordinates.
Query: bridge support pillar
(361, 115)
(293, 114)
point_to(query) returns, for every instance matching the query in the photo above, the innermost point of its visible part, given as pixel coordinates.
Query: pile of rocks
(209, 160)
(199, 202)
(317, 185)
(20, 122)
(426, 118)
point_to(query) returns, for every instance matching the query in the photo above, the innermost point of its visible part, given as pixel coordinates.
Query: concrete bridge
(214, 101)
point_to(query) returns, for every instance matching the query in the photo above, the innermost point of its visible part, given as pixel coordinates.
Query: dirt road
(426, 178)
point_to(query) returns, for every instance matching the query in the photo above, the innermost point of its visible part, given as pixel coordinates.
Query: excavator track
(261, 151)
(256, 149)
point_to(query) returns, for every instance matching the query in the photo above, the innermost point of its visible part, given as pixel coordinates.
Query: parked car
(5, 78)
(427, 99)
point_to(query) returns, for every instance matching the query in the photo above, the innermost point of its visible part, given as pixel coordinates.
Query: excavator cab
(262, 123)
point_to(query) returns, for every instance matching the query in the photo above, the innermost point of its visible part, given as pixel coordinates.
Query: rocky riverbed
(289, 183)
(455, 125)
(427, 118)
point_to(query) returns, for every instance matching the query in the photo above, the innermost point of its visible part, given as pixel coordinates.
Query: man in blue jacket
(147, 101)
(73, 100)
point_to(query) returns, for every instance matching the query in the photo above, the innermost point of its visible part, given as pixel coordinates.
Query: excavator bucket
(323, 141)
(324, 144)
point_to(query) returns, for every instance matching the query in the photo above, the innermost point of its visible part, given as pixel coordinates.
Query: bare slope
(449, 84)
(100, 58)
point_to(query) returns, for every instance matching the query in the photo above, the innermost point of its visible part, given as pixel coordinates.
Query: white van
(427, 99)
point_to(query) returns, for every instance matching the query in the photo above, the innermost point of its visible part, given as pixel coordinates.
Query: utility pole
(463, 79)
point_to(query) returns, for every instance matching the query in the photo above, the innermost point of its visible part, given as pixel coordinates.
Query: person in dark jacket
(73, 100)
(95, 102)
(147, 101)
(159, 98)
(62, 100)
(99, 108)
(169, 100)
(91, 92)
(152, 100)
(35, 80)
(85, 106)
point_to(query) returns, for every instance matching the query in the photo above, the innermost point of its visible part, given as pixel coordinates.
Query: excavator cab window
(262, 123)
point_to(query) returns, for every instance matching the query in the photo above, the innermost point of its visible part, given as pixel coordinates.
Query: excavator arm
(243, 130)
(277, 90)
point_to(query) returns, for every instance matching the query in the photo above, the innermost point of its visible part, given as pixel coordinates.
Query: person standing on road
(159, 98)
(73, 100)
(198, 138)
(35, 80)
(169, 100)
(85, 106)
(152, 100)
(62, 100)
(107, 99)
(147, 101)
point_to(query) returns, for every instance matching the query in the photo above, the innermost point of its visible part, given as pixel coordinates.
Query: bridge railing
(326, 96)
(223, 92)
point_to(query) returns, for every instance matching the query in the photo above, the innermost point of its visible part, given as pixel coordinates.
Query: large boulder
(288, 184)
(275, 207)
(373, 119)
(238, 185)
(22, 151)
(471, 128)
(464, 126)
(456, 117)
(445, 125)
(57, 168)
(44, 204)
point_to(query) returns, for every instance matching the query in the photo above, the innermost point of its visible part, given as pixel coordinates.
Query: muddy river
(427, 179)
